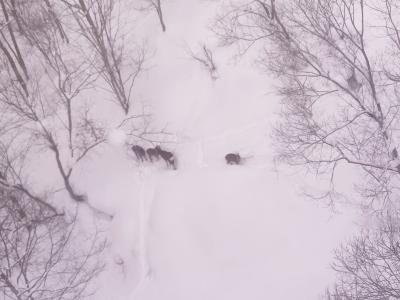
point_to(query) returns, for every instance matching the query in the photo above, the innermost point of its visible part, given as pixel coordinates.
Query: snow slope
(208, 230)
(226, 235)
(220, 232)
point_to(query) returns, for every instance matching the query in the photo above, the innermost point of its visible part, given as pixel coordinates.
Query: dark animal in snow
(139, 152)
(152, 153)
(233, 159)
(395, 154)
(167, 156)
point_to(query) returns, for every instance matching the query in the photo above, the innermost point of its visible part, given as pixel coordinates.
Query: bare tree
(204, 56)
(368, 267)
(38, 252)
(337, 64)
(57, 54)
(98, 24)
(56, 111)
(41, 255)
(11, 50)
(155, 5)
(50, 114)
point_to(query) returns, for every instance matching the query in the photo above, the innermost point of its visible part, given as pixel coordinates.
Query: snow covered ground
(208, 230)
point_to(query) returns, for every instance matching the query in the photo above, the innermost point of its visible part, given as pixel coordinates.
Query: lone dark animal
(395, 154)
(152, 153)
(167, 156)
(139, 152)
(233, 159)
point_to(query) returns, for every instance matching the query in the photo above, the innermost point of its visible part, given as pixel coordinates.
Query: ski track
(146, 195)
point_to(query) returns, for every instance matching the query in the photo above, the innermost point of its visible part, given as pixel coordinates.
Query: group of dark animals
(155, 153)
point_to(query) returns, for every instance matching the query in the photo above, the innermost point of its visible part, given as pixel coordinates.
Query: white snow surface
(208, 230)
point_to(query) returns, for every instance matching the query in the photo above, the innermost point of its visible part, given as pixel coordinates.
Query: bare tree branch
(205, 58)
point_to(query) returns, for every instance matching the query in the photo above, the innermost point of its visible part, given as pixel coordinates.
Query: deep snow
(208, 230)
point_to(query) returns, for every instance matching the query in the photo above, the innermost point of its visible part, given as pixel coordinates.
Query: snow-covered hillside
(208, 230)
